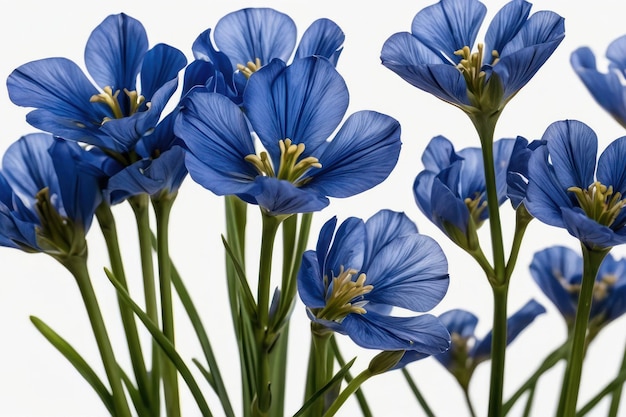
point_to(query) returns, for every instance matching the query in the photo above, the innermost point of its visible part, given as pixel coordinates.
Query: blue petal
(515, 324)
(59, 86)
(323, 242)
(449, 25)
(553, 268)
(361, 156)
(439, 154)
(616, 304)
(589, 231)
(409, 272)
(114, 52)
(611, 167)
(616, 53)
(252, 33)
(419, 66)
(472, 175)
(446, 205)
(506, 24)
(310, 281)
(382, 228)
(282, 197)
(422, 192)
(322, 38)
(573, 147)
(160, 65)
(203, 50)
(424, 333)
(216, 133)
(460, 322)
(348, 248)
(304, 102)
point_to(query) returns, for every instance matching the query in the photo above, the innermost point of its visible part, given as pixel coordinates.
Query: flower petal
(611, 167)
(506, 24)
(382, 228)
(439, 154)
(282, 197)
(322, 38)
(348, 248)
(160, 65)
(310, 281)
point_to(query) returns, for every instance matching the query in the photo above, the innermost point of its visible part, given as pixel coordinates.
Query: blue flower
(47, 196)
(558, 272)
(564, 192)
(293, 110)
(517, 172)
(451, 191)
(466, 350)
(350, 285)
(249, 38)
(437, 55)
(116, 114)
(606, 88)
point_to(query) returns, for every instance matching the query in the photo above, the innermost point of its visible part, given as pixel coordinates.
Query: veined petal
(439, 154)
(616, 305)
(252, 33)
(323, 38)
(160, 65)
(502, 154)
(460, 322)
(446, 205)
(114, 52)
(59, 86)
(422, 192)
(543, 27)
(471, 177)
(323, 243)
(310, 281)
(552, 269)
(449, 25)
(304, 102)
(361, 156)
(348, 248)
(616, 53)
(611, 166)
(573, 148)
(409, 272)
(506, 24)
(382, 228)
(423, 333)
(282, 197)
(216, 133)
(589, 231)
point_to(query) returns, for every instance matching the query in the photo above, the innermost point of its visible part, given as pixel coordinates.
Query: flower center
(290, 168)
(601, 288)
(111, 99)
(471, 65)
(250, 68)
(346, 296)
(599, 202)
(476, 207)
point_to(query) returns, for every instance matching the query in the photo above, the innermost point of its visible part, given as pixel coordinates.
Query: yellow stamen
(599, 202)
(250, 68)
(346, 295)
(290, 168)
(111, 99)
(471, 67)
(475, 207)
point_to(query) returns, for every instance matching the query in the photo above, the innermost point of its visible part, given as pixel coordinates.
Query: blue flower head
(466, 350)
(359, 272)
(292, 110)
(246, 40)
(436, 56)
(606, 88)
(566, 189)
(47, 196)
(451, 191)
(558, 272)
(117, 112)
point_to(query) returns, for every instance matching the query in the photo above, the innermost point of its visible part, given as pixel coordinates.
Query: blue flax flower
(292, 110)
(354, 277)
(564, 192)
(451, 191)
(558, 272)
(606, 88)
(466, 350)
(436, 56)
(247, 39)
(47, 196)
(118, 112)
(517, 172)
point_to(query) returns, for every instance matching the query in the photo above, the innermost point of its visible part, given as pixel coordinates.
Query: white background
(36, 381)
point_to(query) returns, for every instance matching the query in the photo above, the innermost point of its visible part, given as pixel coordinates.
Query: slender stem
(263, 400)
(320, 367)
(617, 394)
(162, 210)
(365, 408)
(529, 402)
(468, 401)
(109, 231)
(349, 390)
(610, 387)
(416, 392)
(522, 219)
(498, 349)
(592, 258)
(77, 265)
(140, 207)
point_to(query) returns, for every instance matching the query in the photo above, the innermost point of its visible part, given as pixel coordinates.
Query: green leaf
(248, 299)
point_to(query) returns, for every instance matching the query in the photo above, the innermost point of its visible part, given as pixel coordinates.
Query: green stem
(592, 258)
(140, 207)
(320, 366)
(416, 392)
(610, 387)
(162, 210)
(349, 390)
(498, 349)
(522, 220)
(365, 409)
(468, 401)
(617, 394)
(77, 265)
(263, 344)
(552, 359)
(529, 402)
(109, 231)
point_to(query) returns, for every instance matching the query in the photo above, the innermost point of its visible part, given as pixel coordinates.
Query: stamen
(471, 67)
(599, 202)
(111, 99)
(289, 169)
(475, 207)
(346, 296)
(603, 286)
(250, 68)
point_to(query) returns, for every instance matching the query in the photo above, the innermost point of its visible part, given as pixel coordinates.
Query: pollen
(345, 296)
(599, 202)
(111, 99)
(250, 68)
(471, 67)
(476, 207)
